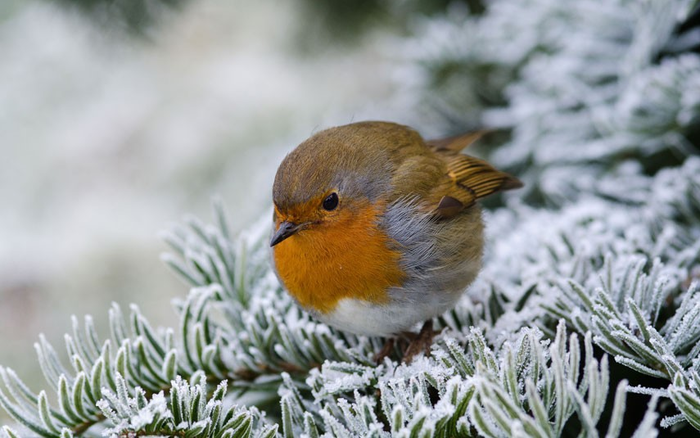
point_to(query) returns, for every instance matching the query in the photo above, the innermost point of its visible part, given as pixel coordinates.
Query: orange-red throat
(343, 255)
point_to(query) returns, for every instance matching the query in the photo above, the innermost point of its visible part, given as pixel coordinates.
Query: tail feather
(456, 143)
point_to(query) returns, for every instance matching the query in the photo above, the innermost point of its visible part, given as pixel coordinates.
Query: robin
(376, 229)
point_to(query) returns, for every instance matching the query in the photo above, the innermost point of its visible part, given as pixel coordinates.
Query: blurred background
(117, 118)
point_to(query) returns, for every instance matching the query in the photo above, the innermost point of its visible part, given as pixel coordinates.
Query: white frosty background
(105, 139)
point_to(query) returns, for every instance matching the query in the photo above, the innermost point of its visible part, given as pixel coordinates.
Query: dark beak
(286, 229)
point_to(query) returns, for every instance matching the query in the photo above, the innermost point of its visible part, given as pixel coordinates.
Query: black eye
(331, 202)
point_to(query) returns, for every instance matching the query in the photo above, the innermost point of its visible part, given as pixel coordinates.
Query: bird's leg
(421, 342)
(411, 343)
(385, 351)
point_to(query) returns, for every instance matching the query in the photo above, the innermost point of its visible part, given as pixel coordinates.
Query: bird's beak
(286, 229)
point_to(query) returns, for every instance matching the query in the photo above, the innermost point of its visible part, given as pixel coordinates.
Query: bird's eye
(331, 202)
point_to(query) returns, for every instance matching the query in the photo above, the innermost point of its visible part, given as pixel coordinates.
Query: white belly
(363, 318)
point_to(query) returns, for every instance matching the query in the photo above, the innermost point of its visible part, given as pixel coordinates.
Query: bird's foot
(411, 343)
(420, 342)
(385, 351)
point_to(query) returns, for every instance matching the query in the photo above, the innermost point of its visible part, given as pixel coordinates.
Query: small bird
(377, 230)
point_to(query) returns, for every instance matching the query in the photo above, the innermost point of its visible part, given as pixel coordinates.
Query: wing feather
(447, 181)
(470, 179)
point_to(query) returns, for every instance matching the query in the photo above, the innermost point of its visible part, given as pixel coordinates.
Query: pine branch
(189, 411)
(529, 384)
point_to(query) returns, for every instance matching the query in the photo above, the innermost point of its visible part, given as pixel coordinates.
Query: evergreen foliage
(591, 273)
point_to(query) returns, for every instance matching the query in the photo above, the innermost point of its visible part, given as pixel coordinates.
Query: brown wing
(469, 179)
(446, 181)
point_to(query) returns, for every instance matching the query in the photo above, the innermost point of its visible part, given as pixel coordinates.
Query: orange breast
(348, 257)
